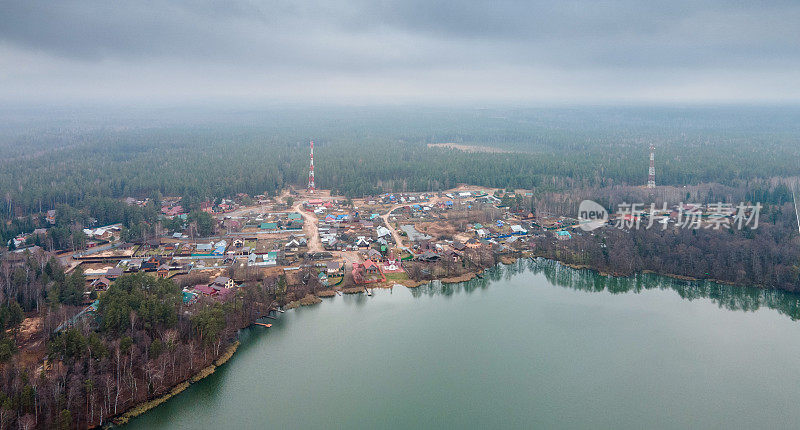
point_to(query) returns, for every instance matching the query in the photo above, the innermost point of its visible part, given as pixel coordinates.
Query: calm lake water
(533, 345)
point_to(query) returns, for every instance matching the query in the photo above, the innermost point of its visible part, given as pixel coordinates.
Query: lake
(532, 345)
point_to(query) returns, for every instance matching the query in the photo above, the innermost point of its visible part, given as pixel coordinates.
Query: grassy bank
(144, 407)
(308, 300)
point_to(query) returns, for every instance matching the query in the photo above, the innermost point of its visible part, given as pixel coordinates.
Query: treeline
(138, 345)
(67, 232)
(367, 151)
(38, 282)
(731, 298)
(767, 256)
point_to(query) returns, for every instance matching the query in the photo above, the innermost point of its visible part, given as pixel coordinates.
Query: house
(367, 272)
(114, 273)
(563, 235)
(171, 212)
(205, 290)
(374, 255)
(361, 241)
(101, 284)
(295, 242)
(149, 265)
(163, 271)
(517, 229)
(135, 264)
(296, 224)
(449, 255)
(472, 244)
(222, 282)
(238, 243)
(51, 216)
(383, 231)
(499, 248)
(333, 267)
(370, 267)
(204, 247)
(318, 256)
(188, 297)
(269, 226)
(428, 256)
(219, 247)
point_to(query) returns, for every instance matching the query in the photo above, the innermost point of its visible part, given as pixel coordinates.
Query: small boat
(263, 325)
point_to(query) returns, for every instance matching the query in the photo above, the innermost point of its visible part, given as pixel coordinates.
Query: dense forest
(48, 159)
(767, 256)
(140, 343)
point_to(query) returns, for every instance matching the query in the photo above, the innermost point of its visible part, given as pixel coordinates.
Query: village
(324, 245)
(345, 245)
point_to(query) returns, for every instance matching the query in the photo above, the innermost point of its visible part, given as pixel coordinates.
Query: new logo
(591, 215)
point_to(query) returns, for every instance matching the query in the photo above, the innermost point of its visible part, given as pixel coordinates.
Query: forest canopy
(84, 160)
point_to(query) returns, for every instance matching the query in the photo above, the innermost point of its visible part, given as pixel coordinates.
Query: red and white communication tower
(651, 173)
(311, 186)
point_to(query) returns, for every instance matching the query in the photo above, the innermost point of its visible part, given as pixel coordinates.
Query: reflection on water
(550, 348)
(734, 298)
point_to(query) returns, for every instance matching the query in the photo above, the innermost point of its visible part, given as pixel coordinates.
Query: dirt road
(395, 234)
(310, 228)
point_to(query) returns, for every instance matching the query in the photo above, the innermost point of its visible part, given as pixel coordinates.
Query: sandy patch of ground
(30, 342)
(436, 229)
(470, 148)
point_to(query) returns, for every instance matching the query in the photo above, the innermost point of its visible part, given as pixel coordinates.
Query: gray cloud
(367, 49)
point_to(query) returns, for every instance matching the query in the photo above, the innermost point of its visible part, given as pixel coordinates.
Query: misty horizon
(398, 52)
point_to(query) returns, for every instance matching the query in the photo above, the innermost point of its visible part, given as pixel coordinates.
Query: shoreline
(311, 299)
(142, 408)
(653, 272)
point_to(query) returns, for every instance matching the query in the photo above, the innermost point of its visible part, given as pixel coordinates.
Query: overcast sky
(399, 51)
